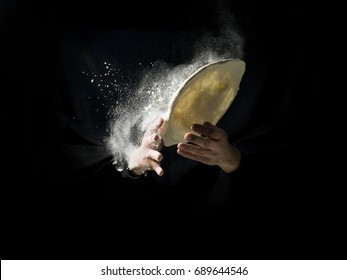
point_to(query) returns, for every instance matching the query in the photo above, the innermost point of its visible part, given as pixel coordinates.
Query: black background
(311, 225)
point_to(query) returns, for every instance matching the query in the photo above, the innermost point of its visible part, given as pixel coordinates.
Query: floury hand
(147, 156)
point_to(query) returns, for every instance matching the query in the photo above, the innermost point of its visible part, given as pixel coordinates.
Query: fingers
(152, 138)
(152, 141)
(154, 155)
(207, 147)
(156, 124)
(163, 127)
(194, 152)
(153, 159)
(157, 169)
(201, 146)
(159, 126)
(159, 122)
(203, 142)
(209, 130)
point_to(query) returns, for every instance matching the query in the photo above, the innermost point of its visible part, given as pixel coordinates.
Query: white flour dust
(131, 116)
(139, 101)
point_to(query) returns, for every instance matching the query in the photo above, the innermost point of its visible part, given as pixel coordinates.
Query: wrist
(136, 171)
(129, 173)
(232, 162)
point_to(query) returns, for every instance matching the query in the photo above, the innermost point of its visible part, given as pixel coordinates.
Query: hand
(211, 147)
(147, 156)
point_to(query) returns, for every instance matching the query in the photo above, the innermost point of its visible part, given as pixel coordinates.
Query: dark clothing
(81, 107)
(78, 111)
(76, 183)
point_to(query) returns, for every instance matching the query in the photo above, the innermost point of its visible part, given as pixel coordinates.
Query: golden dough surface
(205, 96)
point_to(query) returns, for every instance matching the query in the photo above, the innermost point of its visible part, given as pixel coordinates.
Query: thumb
(163, 127)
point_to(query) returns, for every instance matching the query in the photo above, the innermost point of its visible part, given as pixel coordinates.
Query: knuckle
(223, 134)
(205, 143)
(210, 131)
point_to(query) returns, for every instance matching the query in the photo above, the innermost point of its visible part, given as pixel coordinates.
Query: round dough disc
(205, 96)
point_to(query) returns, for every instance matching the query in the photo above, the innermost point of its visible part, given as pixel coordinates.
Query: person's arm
(211, 147)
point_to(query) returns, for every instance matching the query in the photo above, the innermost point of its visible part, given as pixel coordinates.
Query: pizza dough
(205, 96)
